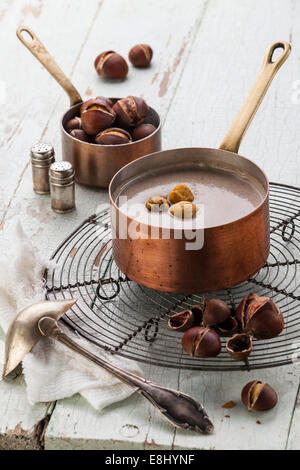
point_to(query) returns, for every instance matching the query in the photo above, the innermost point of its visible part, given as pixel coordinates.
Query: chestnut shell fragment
(239, 346)
(182, 321)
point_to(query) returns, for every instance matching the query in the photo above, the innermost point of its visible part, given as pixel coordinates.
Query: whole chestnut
(216, 311)
(140, 55)
(182, 321)
(113, 136)
(201, 342)
(98, 100)
(97, 117)
(259, 396)
(130, 111)
(181, 192)
(157, 204)
(184, 210)
(142, 131)
(260, 317)
(239, 346)
(74, 123)
(109, 64)
(80, 134)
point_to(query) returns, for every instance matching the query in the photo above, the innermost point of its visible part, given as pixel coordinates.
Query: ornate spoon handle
(180, 409)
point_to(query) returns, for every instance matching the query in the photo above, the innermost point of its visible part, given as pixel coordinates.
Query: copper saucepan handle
(38, 50)
(244, 117)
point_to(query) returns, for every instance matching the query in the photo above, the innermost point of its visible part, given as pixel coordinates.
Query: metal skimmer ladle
(40, 320)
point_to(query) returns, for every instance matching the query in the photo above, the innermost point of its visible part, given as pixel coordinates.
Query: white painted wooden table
(206, 57)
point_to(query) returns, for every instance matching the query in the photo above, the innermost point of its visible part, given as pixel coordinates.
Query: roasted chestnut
(260, 317)
(109, 64)
(113, 136)
(80, 134)
(216, 311)
(140, 55)
(184, 210)
(157, 204)
(130, 111)
(181, 192)
(97, 117)
(201, 342)
(74, 123)
(142, 131)
(228, 327)
(98, 100)
(182, 321)
(259, 396)
(239, 346)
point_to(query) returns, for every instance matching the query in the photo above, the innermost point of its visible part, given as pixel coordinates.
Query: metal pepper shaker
(62, 187)
(42, 156)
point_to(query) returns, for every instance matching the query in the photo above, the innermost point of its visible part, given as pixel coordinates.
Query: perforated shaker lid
(41, 151)
(61, 169)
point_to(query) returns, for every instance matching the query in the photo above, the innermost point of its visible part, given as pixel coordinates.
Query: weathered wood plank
(293, 442)
(22, 424)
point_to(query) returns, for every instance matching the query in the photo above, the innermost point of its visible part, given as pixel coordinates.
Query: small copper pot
(94, 165)
(231, 252)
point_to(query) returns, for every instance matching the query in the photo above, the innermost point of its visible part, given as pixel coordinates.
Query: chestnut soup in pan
(221, 196)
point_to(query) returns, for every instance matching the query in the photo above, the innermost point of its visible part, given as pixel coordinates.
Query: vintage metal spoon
(40, 320)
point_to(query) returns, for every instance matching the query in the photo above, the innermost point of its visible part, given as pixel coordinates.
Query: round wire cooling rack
(128, 319)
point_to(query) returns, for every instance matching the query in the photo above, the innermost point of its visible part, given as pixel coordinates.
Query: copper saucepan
(94, 164)
(231, 252)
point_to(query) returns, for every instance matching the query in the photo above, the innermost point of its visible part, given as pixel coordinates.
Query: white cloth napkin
(51, 370)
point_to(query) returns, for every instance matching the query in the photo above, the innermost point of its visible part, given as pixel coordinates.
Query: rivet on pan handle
(244, 117)
(38, 50)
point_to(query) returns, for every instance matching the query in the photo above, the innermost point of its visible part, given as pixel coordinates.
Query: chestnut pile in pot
(255, 317)
(105, 122)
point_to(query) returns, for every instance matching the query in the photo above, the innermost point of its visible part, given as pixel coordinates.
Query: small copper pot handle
(38, 50)
(244, 117)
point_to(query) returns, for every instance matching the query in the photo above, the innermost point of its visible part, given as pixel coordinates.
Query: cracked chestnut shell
(140, 55)
(227, 327)
(239, 346)
(98, 100)
(201, 342)
(113, 136)
(182, 321)
(109, 64)
(96, 117)
(130, 111)
(260, 317)
(258, 396)
(216, 311)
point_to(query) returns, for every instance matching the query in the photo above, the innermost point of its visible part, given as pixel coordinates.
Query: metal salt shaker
(42, 156)
(62, 187)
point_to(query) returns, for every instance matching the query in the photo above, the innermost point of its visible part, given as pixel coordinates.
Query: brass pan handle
(38, 50)
(244, 117)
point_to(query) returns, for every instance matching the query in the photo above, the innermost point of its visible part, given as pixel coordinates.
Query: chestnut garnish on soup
(220, 196)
